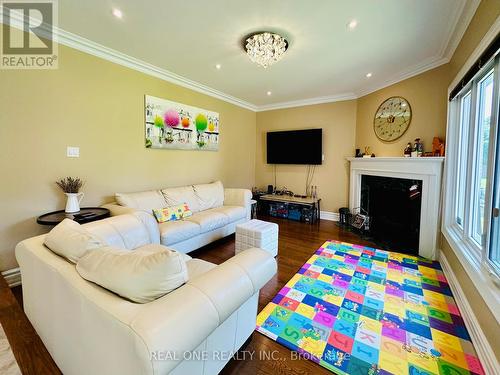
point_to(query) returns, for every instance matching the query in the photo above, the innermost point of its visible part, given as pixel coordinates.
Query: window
(472, 208)
(494, 248)
(462, 159)
(481, 160)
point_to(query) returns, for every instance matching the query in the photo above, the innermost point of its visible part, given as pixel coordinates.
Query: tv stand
(289, 207)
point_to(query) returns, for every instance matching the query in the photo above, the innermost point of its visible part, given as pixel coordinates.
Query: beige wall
(338, 121)
(99, 106)
(426, 94)
(485, 16)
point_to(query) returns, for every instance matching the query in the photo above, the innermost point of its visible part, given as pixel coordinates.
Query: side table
(85, 215)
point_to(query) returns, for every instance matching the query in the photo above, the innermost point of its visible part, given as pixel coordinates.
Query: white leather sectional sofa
(216, 212)
(190, 331)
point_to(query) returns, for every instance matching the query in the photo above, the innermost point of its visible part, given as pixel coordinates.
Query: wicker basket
(359, 219)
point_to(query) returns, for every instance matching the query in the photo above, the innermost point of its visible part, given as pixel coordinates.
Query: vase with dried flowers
(71, 187)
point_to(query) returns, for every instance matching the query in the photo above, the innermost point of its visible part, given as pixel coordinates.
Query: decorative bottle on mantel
(418, 148)
(407, 150)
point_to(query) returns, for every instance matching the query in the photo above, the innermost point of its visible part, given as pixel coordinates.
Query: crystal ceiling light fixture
(265, 48)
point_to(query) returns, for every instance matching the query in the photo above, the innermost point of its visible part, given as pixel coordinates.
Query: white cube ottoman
(257, 233)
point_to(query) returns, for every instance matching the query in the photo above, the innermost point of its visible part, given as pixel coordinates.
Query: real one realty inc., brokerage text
(225, 355)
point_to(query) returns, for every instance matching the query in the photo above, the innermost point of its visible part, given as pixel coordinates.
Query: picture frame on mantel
(177, 126)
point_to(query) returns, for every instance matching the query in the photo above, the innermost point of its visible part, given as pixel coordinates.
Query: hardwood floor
(297, 242)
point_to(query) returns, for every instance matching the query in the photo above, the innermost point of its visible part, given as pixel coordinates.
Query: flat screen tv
(295, 147)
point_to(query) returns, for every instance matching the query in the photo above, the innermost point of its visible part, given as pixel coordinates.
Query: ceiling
(326, 61)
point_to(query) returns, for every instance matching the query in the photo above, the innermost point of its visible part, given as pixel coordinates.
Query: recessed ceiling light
(269, 93)
(352, 24)
(117, 13)
(218, 66)
(368, 75)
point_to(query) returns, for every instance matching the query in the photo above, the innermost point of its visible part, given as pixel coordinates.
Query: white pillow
(180, 195)
(71, 241)
(209, 195)
(141, 275)
(143, 200)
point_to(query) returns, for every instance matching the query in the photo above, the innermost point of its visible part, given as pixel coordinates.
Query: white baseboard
(12, 276)
(481, 344)
(328, 215)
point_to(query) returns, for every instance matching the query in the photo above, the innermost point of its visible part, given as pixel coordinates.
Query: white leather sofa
(90, 330)
(216, 212)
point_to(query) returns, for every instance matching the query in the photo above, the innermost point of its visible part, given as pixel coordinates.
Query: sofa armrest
(231, 283)
(238, 197)
(172, 323)
(116, 209)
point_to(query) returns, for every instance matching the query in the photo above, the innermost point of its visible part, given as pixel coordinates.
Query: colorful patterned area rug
(357, 310)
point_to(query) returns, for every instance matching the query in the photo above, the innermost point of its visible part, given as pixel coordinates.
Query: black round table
(85, 215)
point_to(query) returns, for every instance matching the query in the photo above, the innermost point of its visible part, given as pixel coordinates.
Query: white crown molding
(92, 48)
(413, 71)
(452, 24)
(481, 47)
(465, 12)
(481, 344)
(303, 102)
(459, 27)
(96, 49)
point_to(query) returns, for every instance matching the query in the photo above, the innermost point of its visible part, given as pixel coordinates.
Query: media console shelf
(294, 208)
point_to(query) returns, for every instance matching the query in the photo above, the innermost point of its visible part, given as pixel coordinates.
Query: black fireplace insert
(393, 205)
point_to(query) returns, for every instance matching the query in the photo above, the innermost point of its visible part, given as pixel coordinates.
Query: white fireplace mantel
(427, 169)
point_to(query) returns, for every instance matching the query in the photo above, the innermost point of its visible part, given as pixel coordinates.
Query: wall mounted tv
(295, 147)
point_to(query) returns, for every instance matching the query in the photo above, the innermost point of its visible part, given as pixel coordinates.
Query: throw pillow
(71, 241)
(172, 213)
(139, 275)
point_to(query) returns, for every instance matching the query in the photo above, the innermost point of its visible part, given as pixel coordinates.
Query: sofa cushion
(180, 195)
(140, 276)
(71, 241)
(209, 220)
(234, 213)
(197, 267)
(172, 232)
(153, 247)
(128, 231)
(209, 195)
(144, 200)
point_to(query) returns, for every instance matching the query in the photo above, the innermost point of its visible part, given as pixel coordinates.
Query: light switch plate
(73, 152)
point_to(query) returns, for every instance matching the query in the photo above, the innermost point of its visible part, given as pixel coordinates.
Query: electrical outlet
(73, 152)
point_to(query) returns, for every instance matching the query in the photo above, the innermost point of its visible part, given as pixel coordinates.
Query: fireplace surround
(427, 170)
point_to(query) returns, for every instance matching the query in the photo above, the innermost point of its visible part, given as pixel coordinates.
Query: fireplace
(394, 206)
(422, 225)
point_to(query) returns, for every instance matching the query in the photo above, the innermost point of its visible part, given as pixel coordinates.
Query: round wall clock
(392, 119)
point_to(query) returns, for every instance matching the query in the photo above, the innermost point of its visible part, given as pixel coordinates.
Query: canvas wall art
(173, 125)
